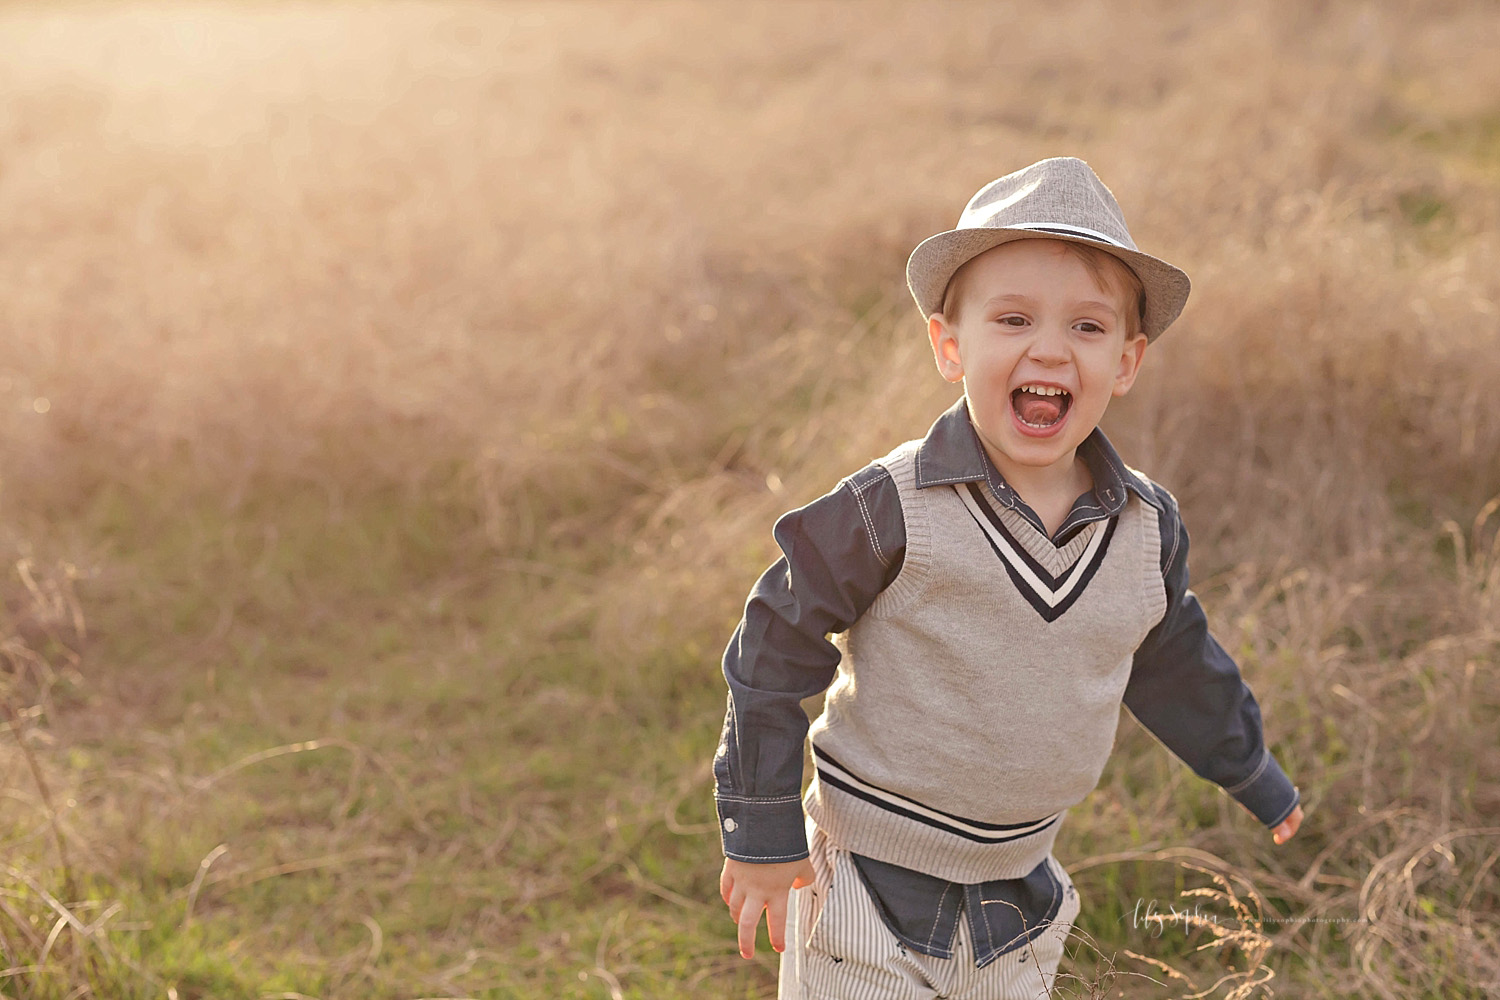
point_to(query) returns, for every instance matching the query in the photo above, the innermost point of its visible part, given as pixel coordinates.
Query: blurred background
(395, 400)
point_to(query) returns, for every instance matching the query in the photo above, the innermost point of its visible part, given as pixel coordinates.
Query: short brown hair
(1110, 272)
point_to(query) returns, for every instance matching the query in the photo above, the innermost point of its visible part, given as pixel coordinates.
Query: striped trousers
(838, 948)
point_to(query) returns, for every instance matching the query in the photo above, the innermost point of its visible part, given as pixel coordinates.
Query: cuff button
(730, 825)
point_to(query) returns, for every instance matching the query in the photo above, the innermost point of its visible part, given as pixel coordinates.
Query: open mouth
(1040, 406)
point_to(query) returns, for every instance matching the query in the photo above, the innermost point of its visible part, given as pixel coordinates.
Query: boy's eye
(1012, 320)
(1089, 326)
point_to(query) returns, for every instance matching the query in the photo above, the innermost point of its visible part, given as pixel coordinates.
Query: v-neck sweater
(839, 552)
(977, 699)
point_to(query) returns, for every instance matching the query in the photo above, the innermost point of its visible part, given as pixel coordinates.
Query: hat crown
(1062, 194)
(1060, 199)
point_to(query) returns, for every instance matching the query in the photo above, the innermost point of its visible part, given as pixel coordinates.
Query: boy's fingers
(736, 903)
(726, 884)
(749, 919)
(776, 921)
(1288, 827)
(805, 876)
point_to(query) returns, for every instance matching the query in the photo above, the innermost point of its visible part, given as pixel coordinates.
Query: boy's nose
(1049, 345)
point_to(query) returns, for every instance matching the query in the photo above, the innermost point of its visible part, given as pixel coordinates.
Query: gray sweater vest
(963, 722)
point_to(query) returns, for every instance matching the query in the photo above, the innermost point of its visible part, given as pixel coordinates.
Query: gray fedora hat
(1056, 199)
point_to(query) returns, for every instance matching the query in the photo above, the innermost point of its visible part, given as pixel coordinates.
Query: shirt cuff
(1267, 792)
(762, 831)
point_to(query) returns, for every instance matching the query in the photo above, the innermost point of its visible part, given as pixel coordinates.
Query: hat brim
(935, 260)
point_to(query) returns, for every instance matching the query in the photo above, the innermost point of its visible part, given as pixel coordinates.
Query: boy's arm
(1188, 692)
(838, 553)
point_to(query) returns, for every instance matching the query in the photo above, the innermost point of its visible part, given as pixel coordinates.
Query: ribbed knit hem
(916, 565)
(863, 827)
(1153, 583)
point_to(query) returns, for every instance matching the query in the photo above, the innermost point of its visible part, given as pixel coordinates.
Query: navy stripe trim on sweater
(1061, 592)
(840, 777)
(1052, 582)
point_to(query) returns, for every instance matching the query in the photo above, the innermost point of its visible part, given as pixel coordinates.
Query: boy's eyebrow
(1016, 297)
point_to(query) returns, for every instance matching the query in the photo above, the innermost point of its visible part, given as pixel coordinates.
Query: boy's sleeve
(1188, 692)
(838, 553)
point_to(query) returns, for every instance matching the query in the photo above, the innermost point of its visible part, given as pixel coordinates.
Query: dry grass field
(395, 401)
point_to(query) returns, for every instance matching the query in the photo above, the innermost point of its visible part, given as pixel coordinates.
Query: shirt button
(730, 825)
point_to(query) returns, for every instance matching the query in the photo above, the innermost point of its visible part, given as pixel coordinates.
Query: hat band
(1063, 229)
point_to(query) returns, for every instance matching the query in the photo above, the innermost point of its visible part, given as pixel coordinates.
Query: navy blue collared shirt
(839, 553)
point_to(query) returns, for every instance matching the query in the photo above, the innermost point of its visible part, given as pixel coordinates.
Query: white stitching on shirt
(1265, 759)
(1296, 801)
(937, 917)
(945, 482)
(864, 512)
(1076, 516)
(767, 859)
(1176, 535)
(984, 914)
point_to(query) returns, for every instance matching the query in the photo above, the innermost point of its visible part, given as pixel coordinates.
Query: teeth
(1044, 390)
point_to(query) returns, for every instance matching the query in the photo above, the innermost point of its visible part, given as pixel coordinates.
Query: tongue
(1036, 409)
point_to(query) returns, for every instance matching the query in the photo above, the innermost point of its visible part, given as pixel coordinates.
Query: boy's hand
(1288, 826)
(749, 888)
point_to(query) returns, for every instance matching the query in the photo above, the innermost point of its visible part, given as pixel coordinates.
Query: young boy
(998, 588)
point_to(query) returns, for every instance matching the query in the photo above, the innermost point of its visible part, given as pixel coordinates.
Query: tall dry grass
(589, 293)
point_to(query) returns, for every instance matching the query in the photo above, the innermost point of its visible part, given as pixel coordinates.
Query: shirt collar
(951, 453)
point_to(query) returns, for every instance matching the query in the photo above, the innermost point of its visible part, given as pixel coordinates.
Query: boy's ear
(945, 348)
(1130, 364)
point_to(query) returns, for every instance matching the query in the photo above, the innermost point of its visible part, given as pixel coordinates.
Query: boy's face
(1032, 320)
